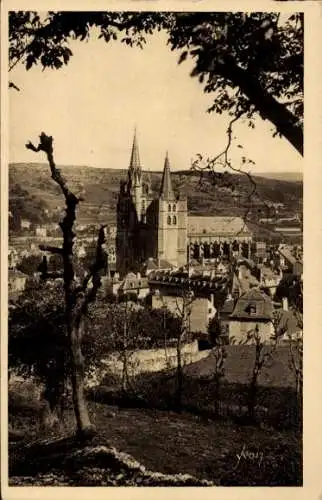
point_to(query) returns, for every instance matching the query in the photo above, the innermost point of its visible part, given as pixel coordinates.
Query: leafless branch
(46, 145)
(13, 86)
(222, 160)
(67, 226)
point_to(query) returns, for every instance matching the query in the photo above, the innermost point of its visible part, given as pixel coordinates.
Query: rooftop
(217, 226)
(154, 264)
(15, 273)
(253, 305)
(166, 191)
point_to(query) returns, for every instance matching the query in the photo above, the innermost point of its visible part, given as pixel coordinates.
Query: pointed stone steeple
(135, 170)
(166, 191)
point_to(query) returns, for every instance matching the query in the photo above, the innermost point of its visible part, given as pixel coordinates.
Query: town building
(195, 294)
(41, 231)
(25, 224)
(13, 258)
(270, 277)
(130, 286)
(198, 310)
(290, 259)
(16, 282)
(253, 309)
(244, 279)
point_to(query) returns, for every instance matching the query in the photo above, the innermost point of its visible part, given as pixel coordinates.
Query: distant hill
(32, 188)
(284, 176)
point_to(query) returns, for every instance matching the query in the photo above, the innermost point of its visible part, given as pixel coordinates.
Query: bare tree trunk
(260, 359)
(252, 394)
(179, 377)
(296, 362)
(167, 361)
(219, 355)
(216, 397)
(77, 298)
(84, 425)
(125, 377)
(125, 353)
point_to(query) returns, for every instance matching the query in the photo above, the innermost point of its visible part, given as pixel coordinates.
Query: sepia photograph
(155, 248)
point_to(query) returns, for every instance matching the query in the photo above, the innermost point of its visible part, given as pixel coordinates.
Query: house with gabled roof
(253, 309)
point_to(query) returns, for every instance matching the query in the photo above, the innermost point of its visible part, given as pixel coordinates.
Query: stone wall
(150, 360)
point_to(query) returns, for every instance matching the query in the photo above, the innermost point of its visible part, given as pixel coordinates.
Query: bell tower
(135, 177)
(172, 221)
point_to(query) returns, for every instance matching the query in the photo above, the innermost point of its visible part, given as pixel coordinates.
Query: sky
(92, 106)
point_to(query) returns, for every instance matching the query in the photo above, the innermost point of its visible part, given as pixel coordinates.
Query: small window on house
(169, 207)
(174, 220)
(169, 220)
(252, 310)
(173, 208)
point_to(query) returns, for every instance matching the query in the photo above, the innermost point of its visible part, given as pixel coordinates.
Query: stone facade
(201, 309)
(160, 228)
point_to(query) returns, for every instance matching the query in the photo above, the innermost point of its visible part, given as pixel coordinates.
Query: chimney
(285, 304)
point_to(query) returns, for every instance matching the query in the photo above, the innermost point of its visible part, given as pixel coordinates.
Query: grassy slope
(174, 443)
(170, 443)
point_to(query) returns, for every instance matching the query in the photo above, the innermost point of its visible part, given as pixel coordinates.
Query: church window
(173, 208)
(174, 220)
(169, 220)
(169, 207)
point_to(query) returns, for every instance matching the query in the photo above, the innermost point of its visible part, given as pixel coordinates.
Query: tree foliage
(38, 342)
(30, 264)
(252, 63)
(37, 334)
(291, 287)
(147, 328)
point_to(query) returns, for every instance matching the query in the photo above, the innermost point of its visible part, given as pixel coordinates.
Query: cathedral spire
(166, 191)
(135, 164)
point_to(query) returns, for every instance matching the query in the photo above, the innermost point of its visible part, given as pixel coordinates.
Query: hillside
(31, 189)
(284, 176)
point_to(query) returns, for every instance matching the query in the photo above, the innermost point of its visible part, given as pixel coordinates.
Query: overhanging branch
(266, 105)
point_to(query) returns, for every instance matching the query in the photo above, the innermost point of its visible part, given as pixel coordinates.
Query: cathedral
(159, 228)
